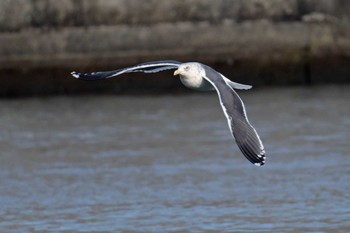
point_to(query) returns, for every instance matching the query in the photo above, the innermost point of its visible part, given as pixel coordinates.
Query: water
(168, 164)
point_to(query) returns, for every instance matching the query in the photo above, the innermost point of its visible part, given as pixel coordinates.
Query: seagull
(201, 77)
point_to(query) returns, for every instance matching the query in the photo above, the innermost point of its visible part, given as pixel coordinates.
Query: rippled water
(168, 164)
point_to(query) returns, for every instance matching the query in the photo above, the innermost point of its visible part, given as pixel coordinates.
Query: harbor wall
(261, 42)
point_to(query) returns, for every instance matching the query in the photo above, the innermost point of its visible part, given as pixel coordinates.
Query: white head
(192, 75)
(190, 70)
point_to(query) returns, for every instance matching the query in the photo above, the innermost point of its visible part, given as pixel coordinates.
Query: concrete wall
(271, 41)
(20, 14)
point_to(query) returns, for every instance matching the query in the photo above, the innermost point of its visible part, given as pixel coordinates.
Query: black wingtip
(257, 159)
(261, 162)
(254, 155)
(89, 76)
(75, 74)
(260, 158)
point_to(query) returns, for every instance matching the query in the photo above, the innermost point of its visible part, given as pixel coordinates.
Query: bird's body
(200, 77)
(196, 81)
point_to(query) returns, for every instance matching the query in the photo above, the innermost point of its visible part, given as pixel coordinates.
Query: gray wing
(235, 85)
(245, 135)
(149, 67)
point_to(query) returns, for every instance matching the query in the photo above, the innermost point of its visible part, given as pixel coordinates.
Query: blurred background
(141, 153)
(256, 41)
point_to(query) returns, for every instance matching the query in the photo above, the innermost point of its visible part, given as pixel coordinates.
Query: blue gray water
(169, 164)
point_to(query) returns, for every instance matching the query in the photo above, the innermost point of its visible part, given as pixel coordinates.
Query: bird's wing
(149, 67)
(235, 85)
(245, 135)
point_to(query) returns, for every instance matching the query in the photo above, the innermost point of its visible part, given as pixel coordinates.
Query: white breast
(196, 83)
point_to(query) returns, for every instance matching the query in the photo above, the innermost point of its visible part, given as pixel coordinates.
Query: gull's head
(190, 70)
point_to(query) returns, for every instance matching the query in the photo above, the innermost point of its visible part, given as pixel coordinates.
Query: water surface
(169, 164)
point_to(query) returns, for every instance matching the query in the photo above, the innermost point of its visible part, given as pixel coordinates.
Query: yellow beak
(177, 72)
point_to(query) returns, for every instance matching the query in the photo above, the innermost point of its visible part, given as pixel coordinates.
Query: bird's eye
(187, 68)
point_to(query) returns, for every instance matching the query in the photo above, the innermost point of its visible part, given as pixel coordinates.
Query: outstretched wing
(246, 136)
(149, 67)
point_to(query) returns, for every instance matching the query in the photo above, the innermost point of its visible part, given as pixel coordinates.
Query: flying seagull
(201, 77)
